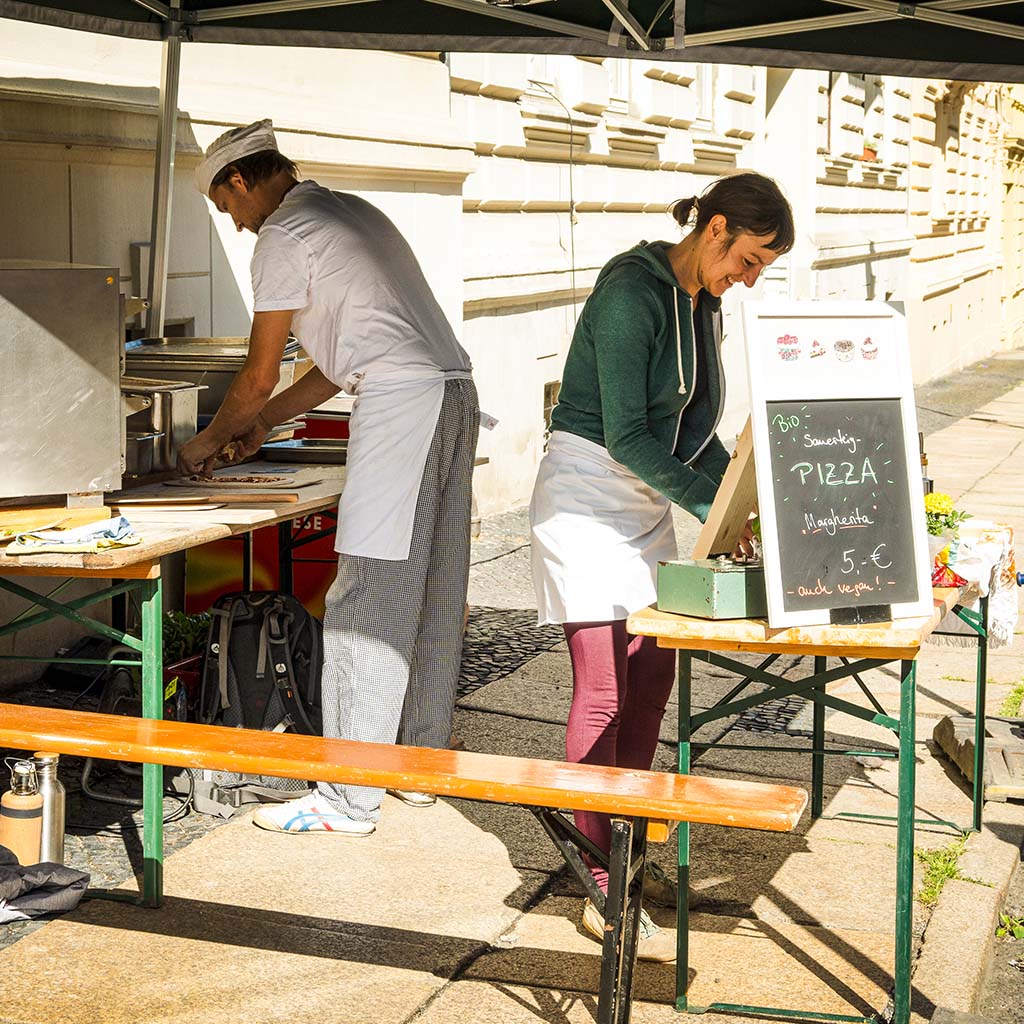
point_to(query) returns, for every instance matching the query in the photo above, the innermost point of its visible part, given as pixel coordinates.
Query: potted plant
(943, 524)
(184, 640)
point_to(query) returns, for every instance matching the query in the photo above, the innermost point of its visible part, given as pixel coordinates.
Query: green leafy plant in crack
(941, 866)
(1010, 707)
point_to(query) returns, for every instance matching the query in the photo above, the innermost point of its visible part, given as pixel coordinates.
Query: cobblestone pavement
(501, 636)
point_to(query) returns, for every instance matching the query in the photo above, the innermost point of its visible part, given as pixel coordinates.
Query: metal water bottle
(52, 791)
(21, 814)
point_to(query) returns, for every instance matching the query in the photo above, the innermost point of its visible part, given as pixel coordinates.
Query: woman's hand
(750, 540)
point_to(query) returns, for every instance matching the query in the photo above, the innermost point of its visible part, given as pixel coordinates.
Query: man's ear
(238, 183)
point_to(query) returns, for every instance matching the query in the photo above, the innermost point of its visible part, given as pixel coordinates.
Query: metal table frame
(142, 580)
(813, 688)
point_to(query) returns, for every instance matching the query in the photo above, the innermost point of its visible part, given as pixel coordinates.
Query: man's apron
(390, 433)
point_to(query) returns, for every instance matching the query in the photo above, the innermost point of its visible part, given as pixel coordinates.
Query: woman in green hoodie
(634, 431)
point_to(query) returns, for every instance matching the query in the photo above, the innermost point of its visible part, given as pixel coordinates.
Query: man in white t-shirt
(332, 269)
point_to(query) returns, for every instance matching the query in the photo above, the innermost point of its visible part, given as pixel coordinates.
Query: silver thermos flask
(52, 791)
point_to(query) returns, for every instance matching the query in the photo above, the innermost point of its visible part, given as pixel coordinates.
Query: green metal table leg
(979, 716)
(905, 845)
(818, 744)
(682, 892)
(152, 774)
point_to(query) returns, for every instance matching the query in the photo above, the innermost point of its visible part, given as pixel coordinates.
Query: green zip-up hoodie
(629, 376)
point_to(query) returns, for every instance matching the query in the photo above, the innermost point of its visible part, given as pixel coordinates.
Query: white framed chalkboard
(837, 462)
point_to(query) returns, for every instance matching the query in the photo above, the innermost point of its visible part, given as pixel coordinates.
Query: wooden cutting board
(168, 501)
(156, 507)
(242, 497)
(36, 517)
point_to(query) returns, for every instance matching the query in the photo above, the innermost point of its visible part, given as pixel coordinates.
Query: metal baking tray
(328, 451)
(196, 352)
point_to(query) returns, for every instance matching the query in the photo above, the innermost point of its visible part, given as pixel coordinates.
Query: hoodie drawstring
(679, 345)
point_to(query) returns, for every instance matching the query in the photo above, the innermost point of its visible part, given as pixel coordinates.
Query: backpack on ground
(261, 670)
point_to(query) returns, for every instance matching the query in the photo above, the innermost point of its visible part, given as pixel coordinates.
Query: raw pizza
(261, 479)
(236, 481)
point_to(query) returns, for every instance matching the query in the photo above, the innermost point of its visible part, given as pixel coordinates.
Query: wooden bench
(634, 799)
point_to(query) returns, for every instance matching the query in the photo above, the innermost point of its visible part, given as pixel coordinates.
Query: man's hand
(245, 444)
(202, 454)
(198, 456)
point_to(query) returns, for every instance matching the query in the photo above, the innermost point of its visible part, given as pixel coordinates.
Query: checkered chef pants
(393, 629)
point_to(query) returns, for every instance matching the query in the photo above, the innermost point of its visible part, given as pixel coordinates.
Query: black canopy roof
(960, 39)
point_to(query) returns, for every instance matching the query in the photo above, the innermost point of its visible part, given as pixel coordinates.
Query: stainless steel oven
(61, 349)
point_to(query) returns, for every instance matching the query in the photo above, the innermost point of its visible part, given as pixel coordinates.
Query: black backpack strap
(276, 628)
(213, 696)
(223, 641)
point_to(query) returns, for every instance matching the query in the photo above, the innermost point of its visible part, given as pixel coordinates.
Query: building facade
(516, 177)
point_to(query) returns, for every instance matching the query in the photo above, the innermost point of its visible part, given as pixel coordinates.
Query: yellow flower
(938, 504)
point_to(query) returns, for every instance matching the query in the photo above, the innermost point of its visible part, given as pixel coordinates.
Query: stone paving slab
(316, 922)
(800, 880)
(770, 762)
(193, 963)
(934, 698)
(518, 1004)
(732, 960)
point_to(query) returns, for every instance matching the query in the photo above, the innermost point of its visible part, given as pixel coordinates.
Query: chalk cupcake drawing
(869, 350)
(788, 347)
(845, 349)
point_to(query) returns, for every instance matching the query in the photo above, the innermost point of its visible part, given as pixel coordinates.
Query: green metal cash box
(712, 588)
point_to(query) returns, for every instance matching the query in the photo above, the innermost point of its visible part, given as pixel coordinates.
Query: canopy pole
(163, 178)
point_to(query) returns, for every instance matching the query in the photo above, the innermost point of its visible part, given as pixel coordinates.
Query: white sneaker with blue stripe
(310, 815)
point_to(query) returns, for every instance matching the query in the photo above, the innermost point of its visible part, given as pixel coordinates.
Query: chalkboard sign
(842, 509)
(835, 454)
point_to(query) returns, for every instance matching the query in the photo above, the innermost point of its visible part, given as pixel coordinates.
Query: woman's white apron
(598, 533)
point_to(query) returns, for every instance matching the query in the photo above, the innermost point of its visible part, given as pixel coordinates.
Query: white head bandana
(231, 146)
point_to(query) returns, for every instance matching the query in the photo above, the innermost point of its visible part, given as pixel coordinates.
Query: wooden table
(858, 648)
(136, 570)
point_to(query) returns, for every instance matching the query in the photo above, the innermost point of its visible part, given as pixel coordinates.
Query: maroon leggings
(620, 686)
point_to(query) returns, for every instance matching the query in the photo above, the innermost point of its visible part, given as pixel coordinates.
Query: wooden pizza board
(735, 500)
(41, 517)
(168, 501)
(214, 496)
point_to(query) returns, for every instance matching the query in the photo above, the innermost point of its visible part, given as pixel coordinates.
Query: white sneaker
(653, 943)
(413, 798)
(310, 814)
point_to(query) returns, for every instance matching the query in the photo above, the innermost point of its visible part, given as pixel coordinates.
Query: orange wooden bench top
(490, 777)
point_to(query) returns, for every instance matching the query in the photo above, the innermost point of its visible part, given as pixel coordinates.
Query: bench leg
(152, 774)
(626, 863)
